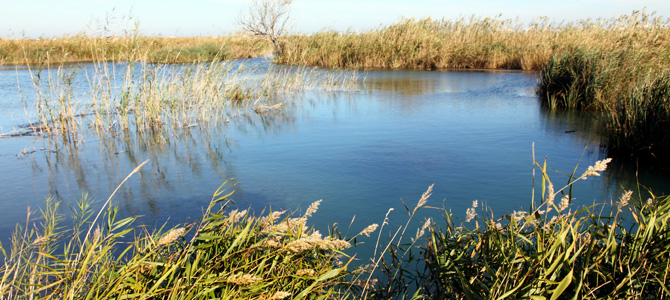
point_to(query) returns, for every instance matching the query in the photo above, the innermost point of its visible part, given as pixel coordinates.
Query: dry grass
(84, 48)
(141, 96)
(626, 83)
(489, 43)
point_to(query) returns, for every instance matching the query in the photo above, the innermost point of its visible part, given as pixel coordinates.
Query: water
(363, 151)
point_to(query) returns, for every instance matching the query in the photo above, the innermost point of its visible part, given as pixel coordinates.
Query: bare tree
(267, 18)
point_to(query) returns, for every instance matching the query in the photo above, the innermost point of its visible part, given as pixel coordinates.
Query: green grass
(204, 53)
(553, 250)
(227, 254)
(626, 88)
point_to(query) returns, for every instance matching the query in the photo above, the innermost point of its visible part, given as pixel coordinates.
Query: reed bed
(626, 87)
(474, 42)
(553, 250)
(227, 254)
(105, 97)
(129, 47)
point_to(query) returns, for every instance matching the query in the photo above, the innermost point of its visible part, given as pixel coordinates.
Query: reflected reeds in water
(179, 159)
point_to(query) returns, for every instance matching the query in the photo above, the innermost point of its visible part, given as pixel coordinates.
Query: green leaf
(562, 286)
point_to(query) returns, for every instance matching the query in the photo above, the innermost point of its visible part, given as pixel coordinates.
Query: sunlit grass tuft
(553, 250)
(226, 254)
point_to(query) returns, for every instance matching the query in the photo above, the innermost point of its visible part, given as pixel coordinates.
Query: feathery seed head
(279, 295)
(600, 166)
(425, 196)
(368, 230)
(623, 201)
(171, 236)
(565, 202)
(244, 279)
(312, 208)
(305, 272)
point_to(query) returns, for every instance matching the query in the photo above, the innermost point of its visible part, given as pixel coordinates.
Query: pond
(362, 150)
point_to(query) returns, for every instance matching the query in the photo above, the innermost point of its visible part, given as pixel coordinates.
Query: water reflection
(361, 150)
(179, 159)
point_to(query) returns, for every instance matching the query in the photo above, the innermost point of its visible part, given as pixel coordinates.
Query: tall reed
(616, 250)
(474, 42)
(85, 48)
(627, 88)
(227, 254)
(108, 97)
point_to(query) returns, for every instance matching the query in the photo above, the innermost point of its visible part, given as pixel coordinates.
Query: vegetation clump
(619, 250)
(626, 85)
(551, 251)
(474, 42)
(227, 254)
(204, 53)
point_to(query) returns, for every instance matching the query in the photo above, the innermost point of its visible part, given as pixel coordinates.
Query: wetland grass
(615, 250)
(227, 254)
(617, 68)
(626, 88)
(554, 250)
(474, 42)
(105, 97)
(85, 48)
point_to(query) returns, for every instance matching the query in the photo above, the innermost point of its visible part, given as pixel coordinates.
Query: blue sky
(48, 18)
